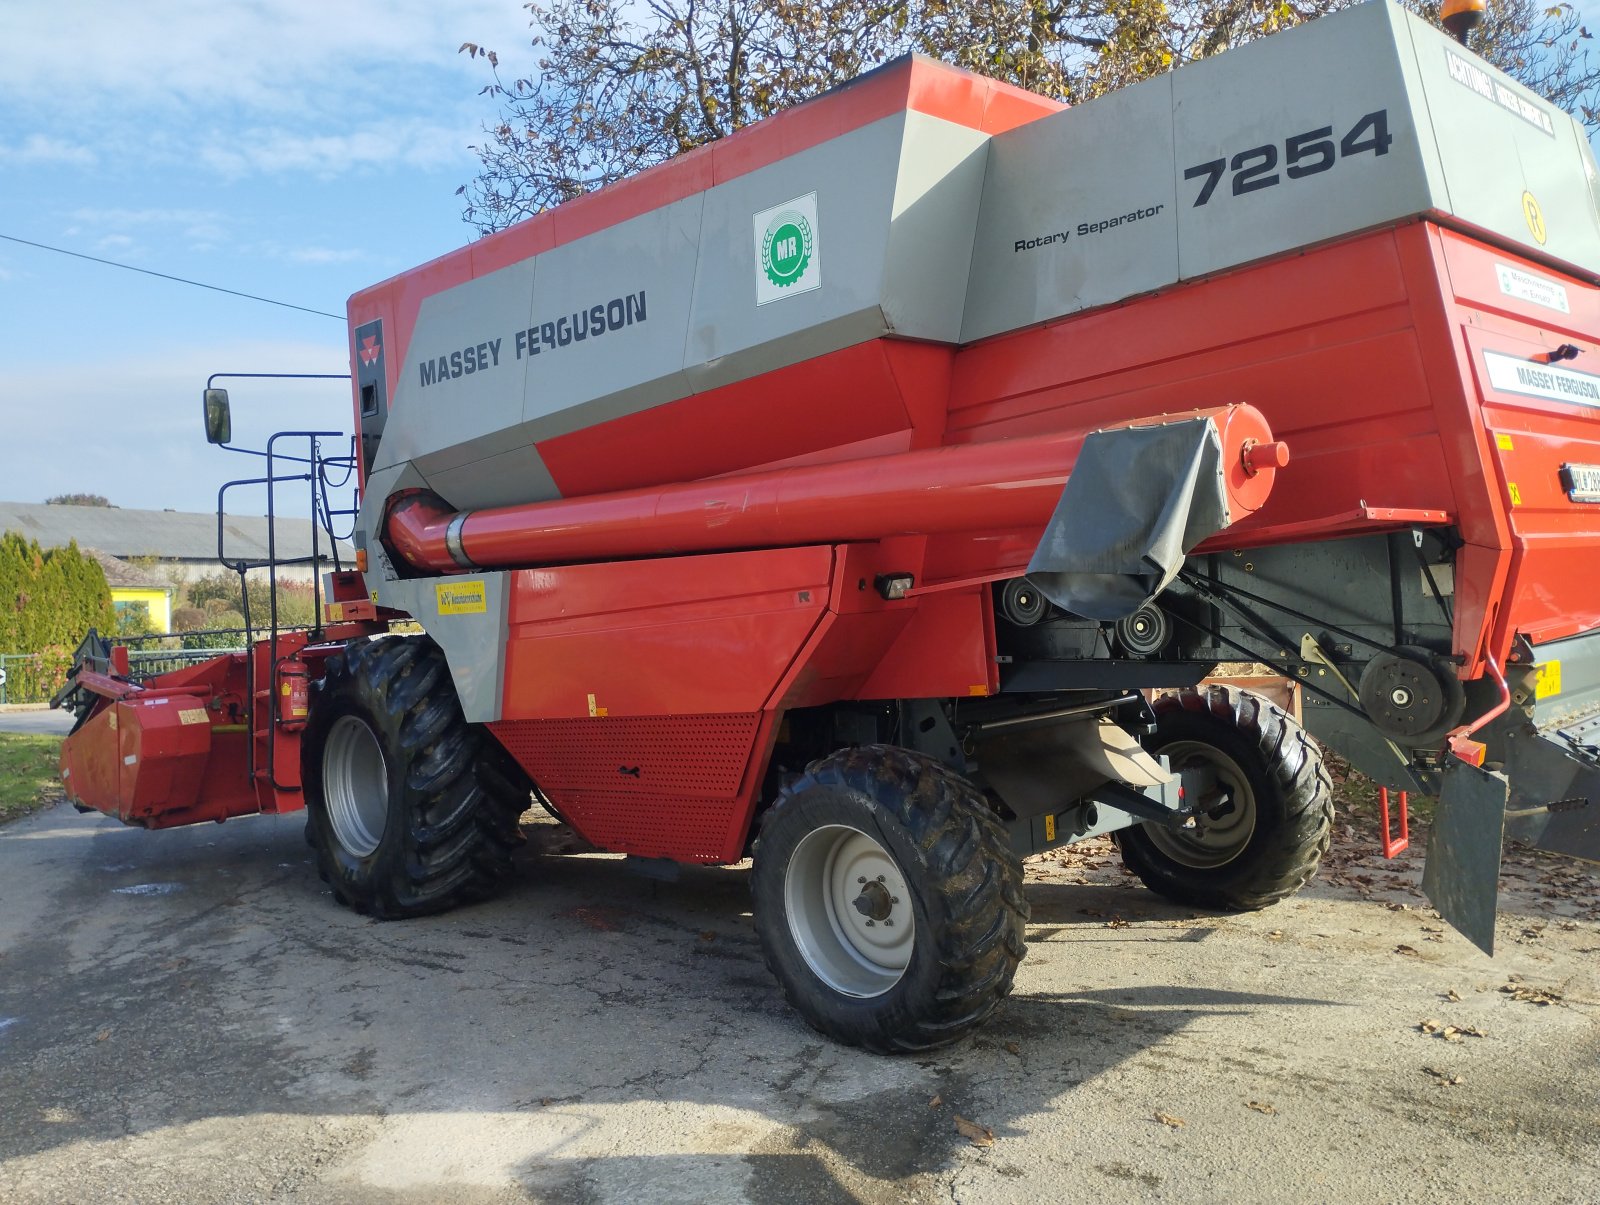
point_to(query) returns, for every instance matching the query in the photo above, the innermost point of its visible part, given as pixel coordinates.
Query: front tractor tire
(888, 900)
(410, 809)
(1273, 817)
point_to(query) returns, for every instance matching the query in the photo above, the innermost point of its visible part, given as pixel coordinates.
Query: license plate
(1581, 481)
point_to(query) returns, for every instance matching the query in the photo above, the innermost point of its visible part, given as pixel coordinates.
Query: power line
(111, 263)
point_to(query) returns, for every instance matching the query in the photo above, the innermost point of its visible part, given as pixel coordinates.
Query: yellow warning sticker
(595, 709)
(1049, 828)
(461, 598)
(1516, 494)
(1549, 681)
(979, 690)
(1503, 442)
(1534, 216)
(192, 715)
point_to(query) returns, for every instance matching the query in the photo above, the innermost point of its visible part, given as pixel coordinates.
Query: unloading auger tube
(999, 484)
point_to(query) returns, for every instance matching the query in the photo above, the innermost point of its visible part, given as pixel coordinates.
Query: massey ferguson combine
(832, 495)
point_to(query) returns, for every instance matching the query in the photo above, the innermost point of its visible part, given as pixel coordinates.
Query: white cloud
(324, 255)
(40, 148)
(417, 143)
(270, 55)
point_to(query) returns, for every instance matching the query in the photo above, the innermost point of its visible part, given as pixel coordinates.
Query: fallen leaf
(1452, 995)
(1430, 1025)
(1116, 922)
(102, 1035)
(708, 935)
(1531, 995)
(1275, 935)
(1260, 1106)
(1013, 1048)
(1395, 907)
(1167, 1119)
(978, 1134)
(1444, 1079)
(936, 1101)
(1408, 951)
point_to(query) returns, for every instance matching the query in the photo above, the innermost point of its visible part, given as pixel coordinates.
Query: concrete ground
(188, 1016)
(35, 719)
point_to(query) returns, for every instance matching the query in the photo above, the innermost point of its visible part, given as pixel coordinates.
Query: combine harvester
(832, 494)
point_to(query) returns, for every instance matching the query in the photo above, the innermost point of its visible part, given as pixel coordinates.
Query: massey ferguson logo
(370, 350)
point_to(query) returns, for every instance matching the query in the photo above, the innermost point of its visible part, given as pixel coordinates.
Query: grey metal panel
(504, 479)
(1498, 140)
(936, 197)
(1324, 75)
(653, 256)
(1462, 875)
(1051, 184)
(474, 642)
(429, 418)
(853, 177)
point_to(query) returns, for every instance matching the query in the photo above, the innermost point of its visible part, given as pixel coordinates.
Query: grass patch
(28, 775)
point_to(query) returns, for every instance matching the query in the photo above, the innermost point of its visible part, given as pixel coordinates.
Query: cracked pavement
(224, 1032)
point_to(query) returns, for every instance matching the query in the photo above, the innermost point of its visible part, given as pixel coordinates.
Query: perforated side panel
(656, 786)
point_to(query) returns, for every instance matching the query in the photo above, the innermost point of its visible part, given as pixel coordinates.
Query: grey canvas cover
(1138, 499)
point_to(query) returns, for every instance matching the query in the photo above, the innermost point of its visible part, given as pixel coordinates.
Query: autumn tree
(79, 500)
(618, 85)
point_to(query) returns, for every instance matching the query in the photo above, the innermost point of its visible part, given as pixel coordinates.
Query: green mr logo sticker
(787, 251)
(786, 248)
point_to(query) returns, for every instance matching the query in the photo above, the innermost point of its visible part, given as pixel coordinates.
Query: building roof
(166, 535)
(121, 575)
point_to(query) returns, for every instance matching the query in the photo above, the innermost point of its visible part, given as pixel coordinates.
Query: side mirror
(219, 421)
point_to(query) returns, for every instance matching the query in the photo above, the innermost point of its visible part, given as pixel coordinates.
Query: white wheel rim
(355, 785)
(1210, 843)
(849, 911)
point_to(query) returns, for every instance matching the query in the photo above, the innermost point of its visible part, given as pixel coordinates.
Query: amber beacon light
(1461, 17)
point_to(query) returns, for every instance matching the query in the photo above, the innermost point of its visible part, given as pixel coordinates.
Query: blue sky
(292, 149)
(295, 149)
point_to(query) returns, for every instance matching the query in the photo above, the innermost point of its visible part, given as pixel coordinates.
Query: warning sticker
(461, 598)
(1525, 286)
(192, 715)
(1548, 682)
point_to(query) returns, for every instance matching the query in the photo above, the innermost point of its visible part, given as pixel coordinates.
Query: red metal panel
(679, 786)
(1554, 542)
(946, 650)
(710, 634)
(162, 745)
(812, 407)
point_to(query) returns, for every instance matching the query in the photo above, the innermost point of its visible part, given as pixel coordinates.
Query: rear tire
(888, 900)
(410, 809)
(1270, 843)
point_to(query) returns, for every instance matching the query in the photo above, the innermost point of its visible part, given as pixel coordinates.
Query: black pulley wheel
(1265, 800)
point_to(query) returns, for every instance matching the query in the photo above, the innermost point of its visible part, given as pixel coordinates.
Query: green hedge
(49, 597)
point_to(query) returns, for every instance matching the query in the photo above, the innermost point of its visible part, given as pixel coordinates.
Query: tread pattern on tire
(968, 862)
(464, 795)
(1290, 851)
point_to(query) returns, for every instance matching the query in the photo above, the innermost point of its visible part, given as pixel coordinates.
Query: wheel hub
(875, 903)
(1226, 817)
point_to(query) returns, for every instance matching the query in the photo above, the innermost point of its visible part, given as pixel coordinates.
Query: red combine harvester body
(840, 493)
